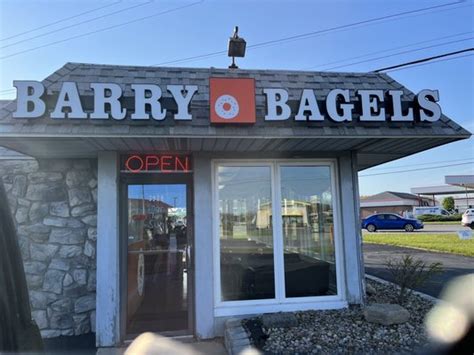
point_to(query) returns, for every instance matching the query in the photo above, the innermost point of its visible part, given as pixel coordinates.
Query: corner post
(352, 240)
(108, 252)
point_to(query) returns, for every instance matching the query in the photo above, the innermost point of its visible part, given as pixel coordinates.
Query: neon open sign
(163, 163)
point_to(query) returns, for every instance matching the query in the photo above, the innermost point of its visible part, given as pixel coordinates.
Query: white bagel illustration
(226, 107)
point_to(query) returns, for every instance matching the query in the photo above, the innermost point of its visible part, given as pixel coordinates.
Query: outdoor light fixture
(236, 47)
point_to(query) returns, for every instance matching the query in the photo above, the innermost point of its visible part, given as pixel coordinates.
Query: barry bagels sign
(231, 101)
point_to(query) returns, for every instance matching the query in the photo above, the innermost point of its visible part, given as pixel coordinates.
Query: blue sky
(205, 27)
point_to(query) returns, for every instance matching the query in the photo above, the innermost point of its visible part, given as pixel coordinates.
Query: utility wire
(420, 169)
(103, 29)
(426, 59)
(436, 61)
(433, 162)
(59, 21)
(314, 33)
(399, 53)
(388, 50)
(77, 24)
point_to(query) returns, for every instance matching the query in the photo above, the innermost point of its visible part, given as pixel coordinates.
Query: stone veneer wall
(54, 203)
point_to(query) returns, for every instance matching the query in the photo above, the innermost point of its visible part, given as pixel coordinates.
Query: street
(376, 255)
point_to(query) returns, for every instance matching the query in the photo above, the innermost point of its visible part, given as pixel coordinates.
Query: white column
(108, 252)
(203, 248)
(352, 239)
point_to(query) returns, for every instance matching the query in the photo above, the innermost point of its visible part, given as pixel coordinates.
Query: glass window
(308, 231)
(246, 233)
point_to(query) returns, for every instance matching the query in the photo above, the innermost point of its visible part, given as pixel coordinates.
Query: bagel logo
(232, 100)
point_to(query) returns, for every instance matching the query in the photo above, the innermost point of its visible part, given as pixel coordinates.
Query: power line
(418, 164)
(104, 29)
(77, 24)
(426, 59)
(420, 169)
(436, 61)
(388, 50)
(59, 21)
(313, 33)
(399, 53)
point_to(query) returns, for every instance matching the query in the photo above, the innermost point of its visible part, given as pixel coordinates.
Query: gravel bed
(346, 331)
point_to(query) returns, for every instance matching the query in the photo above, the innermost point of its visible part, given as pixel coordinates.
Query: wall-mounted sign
(155, 163)
(231, 101)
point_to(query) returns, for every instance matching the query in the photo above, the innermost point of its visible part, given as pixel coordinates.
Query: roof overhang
(370, 151)
(440, 190)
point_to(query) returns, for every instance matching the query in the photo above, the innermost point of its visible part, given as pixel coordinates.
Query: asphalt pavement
(376, 255)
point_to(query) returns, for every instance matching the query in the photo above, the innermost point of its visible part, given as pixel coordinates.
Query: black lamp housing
(236, 47)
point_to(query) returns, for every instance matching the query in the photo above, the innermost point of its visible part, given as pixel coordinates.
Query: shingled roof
(86, 137)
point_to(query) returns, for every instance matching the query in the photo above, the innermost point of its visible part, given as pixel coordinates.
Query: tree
(448, 203)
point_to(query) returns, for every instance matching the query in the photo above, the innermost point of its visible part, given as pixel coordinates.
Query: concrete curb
(418, 293)
(236, 338)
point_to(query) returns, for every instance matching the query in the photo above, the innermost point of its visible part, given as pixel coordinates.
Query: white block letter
(277, 98)
(68, 97)
(141, 100)
(107, 94)
(397, 107)
(182, 101)
(308, 102)
(331, 105)
(427, 100)
(370, 100)
(29, 91)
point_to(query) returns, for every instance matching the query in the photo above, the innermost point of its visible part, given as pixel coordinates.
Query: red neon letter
(166, 164)
(151, 161)
(134, 157)
(179, 164)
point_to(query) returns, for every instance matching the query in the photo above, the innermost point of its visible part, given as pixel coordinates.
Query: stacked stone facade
(54, 204)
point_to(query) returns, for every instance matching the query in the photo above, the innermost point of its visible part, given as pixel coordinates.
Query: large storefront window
(276, 231)
(246, 233)
(308, 233)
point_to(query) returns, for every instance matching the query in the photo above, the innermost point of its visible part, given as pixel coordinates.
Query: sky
(165, 31)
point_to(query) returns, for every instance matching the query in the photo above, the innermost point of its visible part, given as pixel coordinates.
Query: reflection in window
(308, 232)
(245, 230)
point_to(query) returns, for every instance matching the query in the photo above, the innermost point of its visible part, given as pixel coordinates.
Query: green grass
(448, 243)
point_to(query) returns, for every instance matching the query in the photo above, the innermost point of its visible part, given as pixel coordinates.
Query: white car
(468, 218)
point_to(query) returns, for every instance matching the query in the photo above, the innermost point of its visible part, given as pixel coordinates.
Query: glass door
(158, 259)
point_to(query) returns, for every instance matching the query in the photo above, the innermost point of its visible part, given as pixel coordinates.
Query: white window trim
(279, 303)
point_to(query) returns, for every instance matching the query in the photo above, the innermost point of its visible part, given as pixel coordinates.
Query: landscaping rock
(279, 320)
(346, 330)
(386, 314)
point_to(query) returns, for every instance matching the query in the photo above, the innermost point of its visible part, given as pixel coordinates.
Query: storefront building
(170, 199)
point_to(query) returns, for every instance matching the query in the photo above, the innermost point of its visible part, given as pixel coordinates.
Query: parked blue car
(390, 221)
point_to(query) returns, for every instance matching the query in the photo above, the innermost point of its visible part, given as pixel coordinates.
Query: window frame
(280, 302)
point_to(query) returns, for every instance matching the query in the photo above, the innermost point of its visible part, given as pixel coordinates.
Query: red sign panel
(163, 163)
(232, 100)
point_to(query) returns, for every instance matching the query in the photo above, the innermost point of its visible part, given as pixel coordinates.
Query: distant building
(460, 187)
(392, 202)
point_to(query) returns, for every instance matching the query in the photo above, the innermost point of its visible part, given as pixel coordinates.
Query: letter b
(29, 91)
